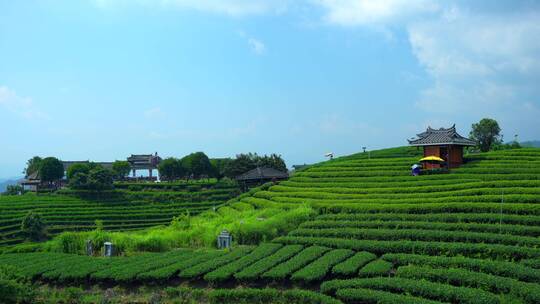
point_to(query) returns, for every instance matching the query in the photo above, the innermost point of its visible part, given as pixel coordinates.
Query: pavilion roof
(262, 173)
(441, 136)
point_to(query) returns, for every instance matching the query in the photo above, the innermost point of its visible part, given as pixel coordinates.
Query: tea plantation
(380, 236)
(131, 206)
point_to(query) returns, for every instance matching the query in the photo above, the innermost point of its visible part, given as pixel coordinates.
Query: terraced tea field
(133, 206)
(380, 236)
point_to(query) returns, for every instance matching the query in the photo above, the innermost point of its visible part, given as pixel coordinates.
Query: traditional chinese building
(148, 162)
(259, 176)
(444, 143)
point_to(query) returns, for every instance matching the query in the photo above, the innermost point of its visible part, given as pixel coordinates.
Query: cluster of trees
(487, 134)
(92, 176)
(89, 176)
(197, 165)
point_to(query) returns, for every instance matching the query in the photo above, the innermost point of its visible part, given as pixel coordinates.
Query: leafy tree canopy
(197, 164)
(97, 179)
(13, 190)
(51, 169)
(219, 166)
(246, 162)
(121, 169)
(32, 165)
(171, 169)
(34, 226)
(77, 168)
(100, 178)
(487, 133)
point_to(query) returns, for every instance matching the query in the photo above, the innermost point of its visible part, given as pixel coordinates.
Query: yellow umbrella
(432, 158)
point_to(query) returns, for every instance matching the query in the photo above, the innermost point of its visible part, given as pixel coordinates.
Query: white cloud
(373, 12)
(257, 46)
(481, 64)
(466, 44)
(227, 7)
(22, 106)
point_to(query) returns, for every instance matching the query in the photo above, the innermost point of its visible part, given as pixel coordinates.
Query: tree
(34, 226)
(273, 161)
(13, 190)
(32, 165)
(197, 164)
(121, 169)
(242, 164)
(100, 178)
(96, 179)
(171, 169)
(51, 169)
(77, 168)
(486, 133)
(219, 166)
(250, 161)
(79, 181)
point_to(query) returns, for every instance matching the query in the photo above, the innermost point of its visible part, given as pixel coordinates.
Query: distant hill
(6, 182)
(532, 143)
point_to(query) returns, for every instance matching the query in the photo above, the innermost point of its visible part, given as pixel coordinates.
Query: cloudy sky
(102, 79)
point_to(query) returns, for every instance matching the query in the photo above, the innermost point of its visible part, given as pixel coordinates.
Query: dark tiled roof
(141, 161)
(262, 173)
(441, 136)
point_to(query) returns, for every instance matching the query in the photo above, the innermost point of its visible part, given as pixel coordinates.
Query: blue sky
(102, 79)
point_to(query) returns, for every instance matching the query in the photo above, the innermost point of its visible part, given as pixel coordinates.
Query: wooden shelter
(444, 143)
(260, 176)
(31, 182)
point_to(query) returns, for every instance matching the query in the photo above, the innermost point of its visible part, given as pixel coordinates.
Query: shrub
(252, 272)
(375, 269)
(317, 270)
(422, 288)
(34, 227)
(351, 265)
(368, 296)
(225, 272)
(306, 256)
(459, 277)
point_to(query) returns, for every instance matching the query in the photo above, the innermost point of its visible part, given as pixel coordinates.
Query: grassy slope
(445, 238)
(125, 209)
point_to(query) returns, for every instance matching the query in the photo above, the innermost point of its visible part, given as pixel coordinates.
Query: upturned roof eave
(442, 143)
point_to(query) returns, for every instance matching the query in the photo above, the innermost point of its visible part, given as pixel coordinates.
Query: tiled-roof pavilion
(444, 143)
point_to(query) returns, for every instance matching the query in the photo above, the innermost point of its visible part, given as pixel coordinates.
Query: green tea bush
(351, 265)
(423, 289)
(285, 269)
(369, 296)
(500, 268)
(225, 272)
(529, 292)
(430, 248)
(378, 268)
(202, 268)
(253, 271)
(318, 269)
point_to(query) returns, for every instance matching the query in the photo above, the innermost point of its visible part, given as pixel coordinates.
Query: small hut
(444, 143)
(259, 176)
(31, 182)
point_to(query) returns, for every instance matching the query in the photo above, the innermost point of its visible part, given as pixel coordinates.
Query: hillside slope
(131, 206)
(381, 235)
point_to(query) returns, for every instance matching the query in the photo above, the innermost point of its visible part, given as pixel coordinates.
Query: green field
(132, 206)
(378, 235)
